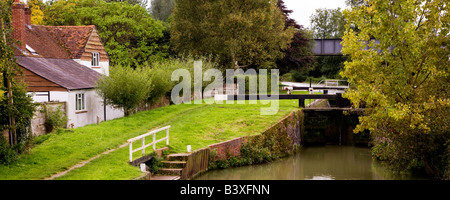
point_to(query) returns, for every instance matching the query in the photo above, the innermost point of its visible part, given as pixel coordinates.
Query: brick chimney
(18, 22)
(27, 15)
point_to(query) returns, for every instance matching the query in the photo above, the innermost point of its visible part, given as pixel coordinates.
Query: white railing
(142, 137)
(334, 83)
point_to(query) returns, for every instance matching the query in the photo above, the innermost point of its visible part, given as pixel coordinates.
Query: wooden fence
(196, 163)
(142, 137)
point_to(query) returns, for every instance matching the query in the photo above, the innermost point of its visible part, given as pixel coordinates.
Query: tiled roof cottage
(63, 63)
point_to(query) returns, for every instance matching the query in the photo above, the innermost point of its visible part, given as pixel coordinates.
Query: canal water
(314, 163)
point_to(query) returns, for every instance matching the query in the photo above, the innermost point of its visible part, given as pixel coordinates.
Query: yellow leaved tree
(400, 67)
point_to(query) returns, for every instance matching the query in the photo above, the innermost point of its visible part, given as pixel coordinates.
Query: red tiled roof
(72, 38)
(44, 44)
(63, 42)
(65, 72)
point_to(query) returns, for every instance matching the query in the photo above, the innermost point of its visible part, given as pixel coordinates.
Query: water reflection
(313, 163)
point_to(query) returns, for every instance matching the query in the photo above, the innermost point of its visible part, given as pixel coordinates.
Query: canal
(314, 163)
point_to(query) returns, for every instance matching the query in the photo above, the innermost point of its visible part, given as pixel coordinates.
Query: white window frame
(95, 59)
(80, 102)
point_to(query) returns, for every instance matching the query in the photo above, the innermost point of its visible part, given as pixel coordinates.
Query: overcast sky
(303, 9)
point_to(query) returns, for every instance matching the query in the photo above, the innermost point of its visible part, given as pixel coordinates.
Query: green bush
(155, 163)
(7, 154)
(125, 87)
(54, 118)
(160, 72)
(299, 76)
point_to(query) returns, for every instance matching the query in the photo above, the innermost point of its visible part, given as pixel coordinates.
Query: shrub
(125, 87)
(54, 118)
(7, 154)
(299, 76)
(155, 163)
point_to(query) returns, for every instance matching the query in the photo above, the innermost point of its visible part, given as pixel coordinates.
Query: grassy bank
(196, 125)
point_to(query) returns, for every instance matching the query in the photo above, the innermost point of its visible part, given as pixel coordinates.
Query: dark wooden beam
(301, 97)
(320, 88)
(286, 96)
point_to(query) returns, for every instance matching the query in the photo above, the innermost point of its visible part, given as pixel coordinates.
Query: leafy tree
(16, 109)
(160, 72)
(128, 88)
(328, 66)
(402, 80)
(328, 23)
(37, 16)
(130, 35)
(162, 9)
(299, 55)
(238, 33)
(125, 87)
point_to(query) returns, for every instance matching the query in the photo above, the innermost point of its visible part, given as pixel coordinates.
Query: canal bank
(283, 139)
(327, 162)
(279, 140)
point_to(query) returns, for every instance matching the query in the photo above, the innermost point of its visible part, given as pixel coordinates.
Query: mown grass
(195, 125)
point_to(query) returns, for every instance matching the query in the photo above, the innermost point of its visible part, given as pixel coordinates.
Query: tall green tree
(238, 33)
(328, 23)
(130, 35)
(401, 78)
(16, 108)
(299, 55)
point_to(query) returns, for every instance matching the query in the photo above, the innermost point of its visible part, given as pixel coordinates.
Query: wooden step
(170, 171)
(174, 164)
(178, 157)
(164, 177)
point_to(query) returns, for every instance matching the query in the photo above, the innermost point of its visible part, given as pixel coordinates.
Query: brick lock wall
(227, 149)
(290, 127)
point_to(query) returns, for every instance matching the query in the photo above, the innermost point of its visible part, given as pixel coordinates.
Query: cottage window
(95, 59)
(80, 102)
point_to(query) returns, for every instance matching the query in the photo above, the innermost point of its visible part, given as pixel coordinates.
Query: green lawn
(196, 125)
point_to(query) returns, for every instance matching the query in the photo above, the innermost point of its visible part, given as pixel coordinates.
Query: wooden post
(167, 135)
(154, 138)
(301, 103)
(143, 145)
(131, 152)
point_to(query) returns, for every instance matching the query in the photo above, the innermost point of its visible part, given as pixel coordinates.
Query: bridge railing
(334, 83)
(142, 137)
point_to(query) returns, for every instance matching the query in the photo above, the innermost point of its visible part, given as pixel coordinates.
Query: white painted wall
(94, 108)
(39, 97)
(104, 66)
(94, 104)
